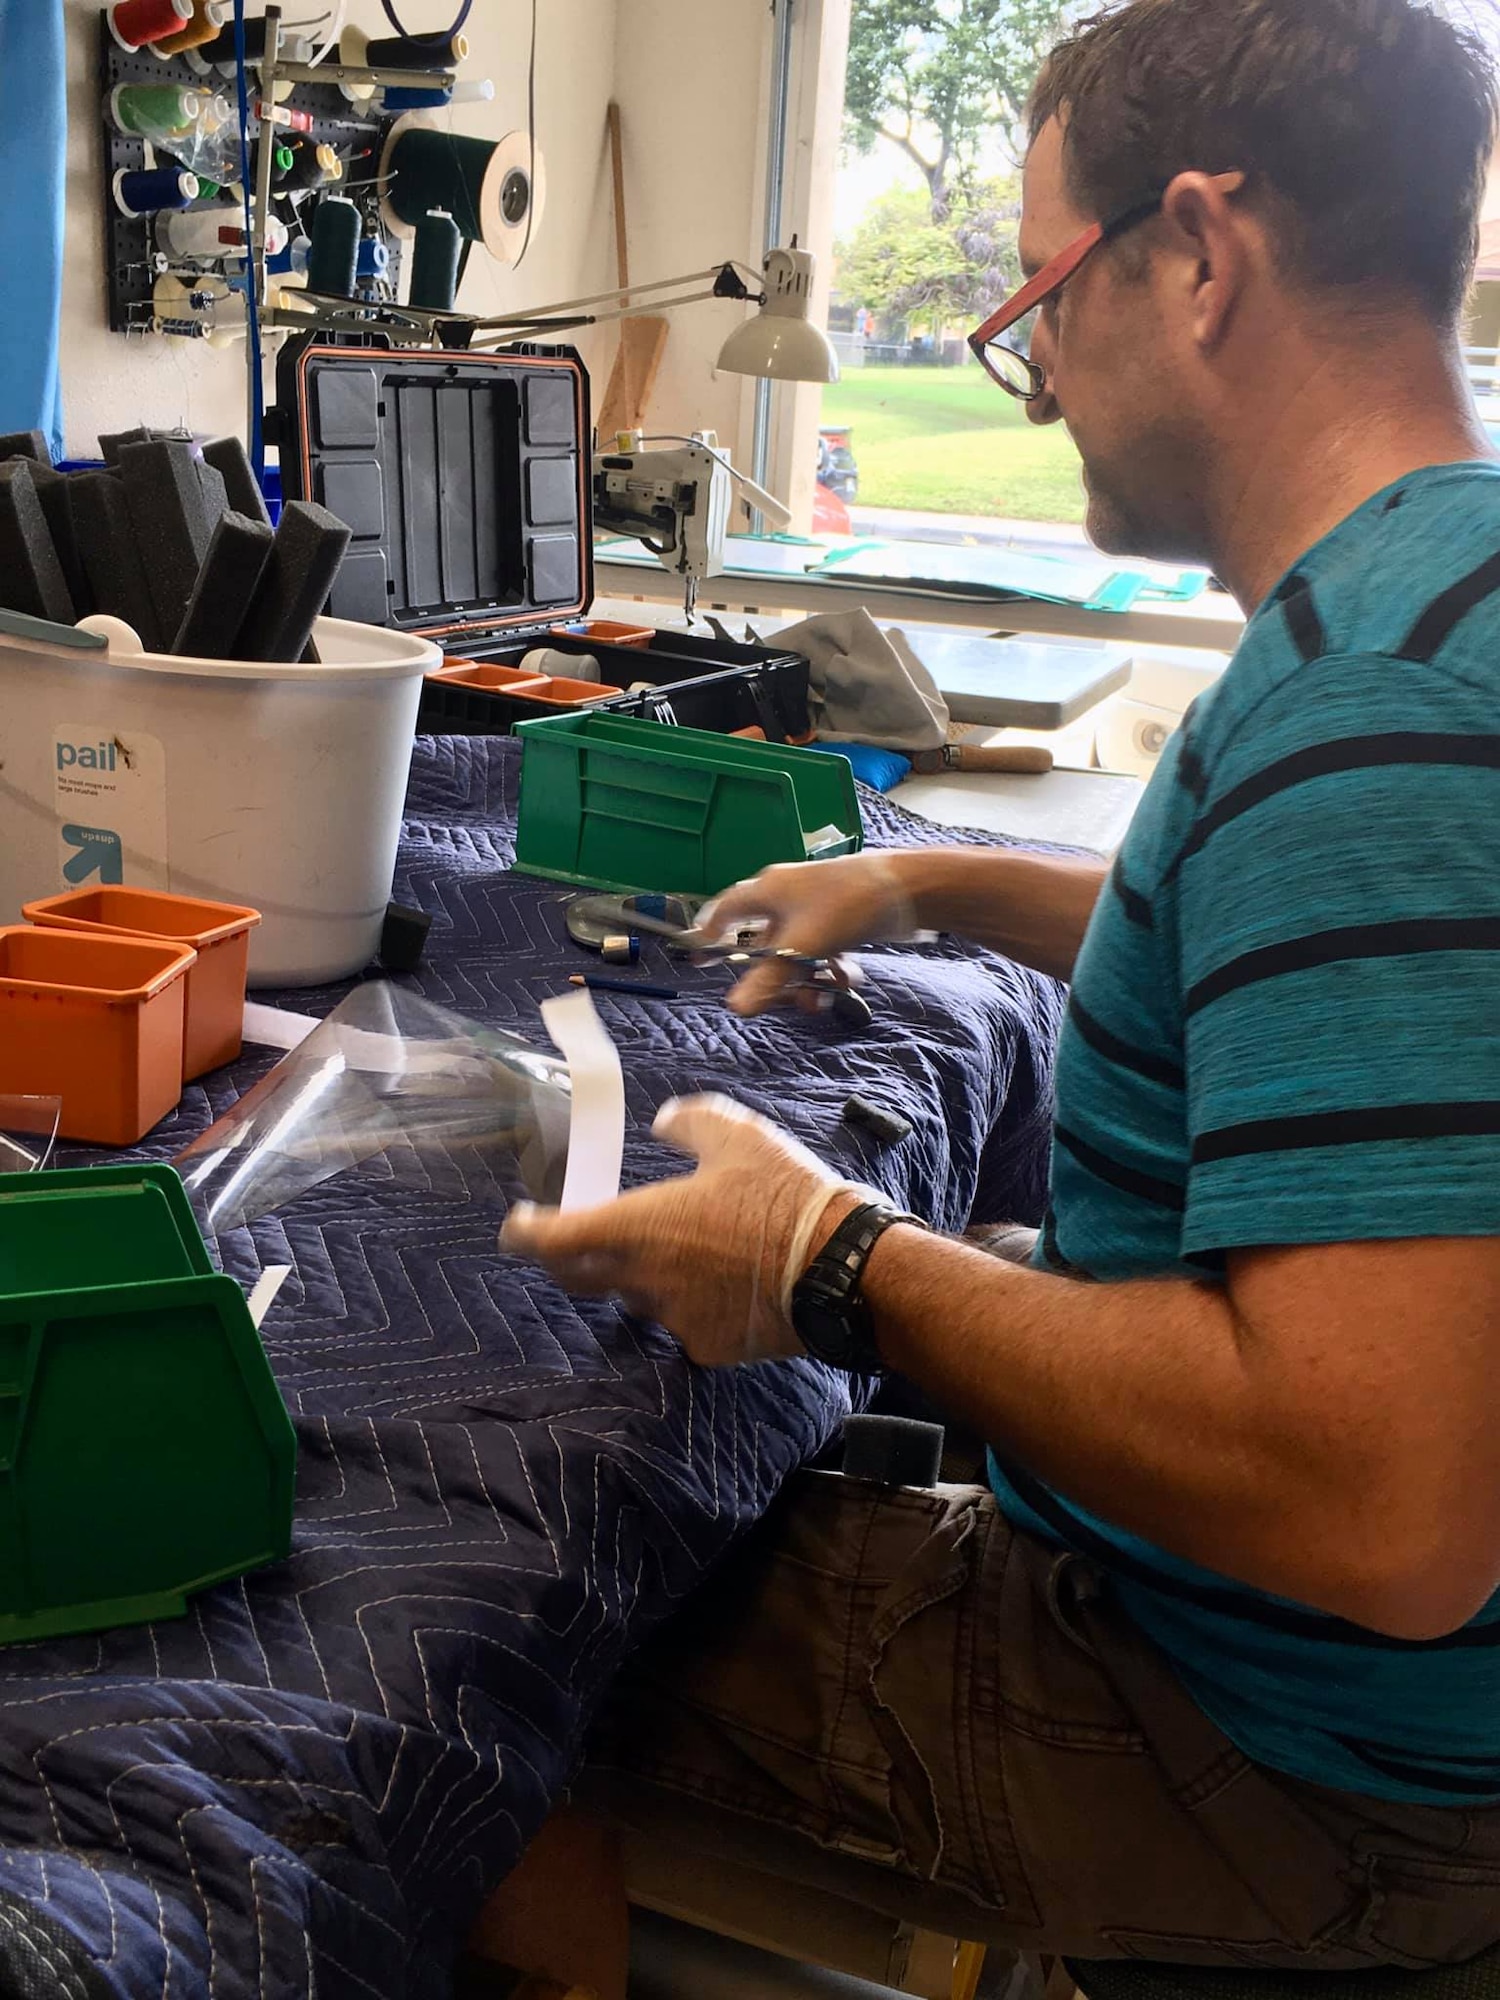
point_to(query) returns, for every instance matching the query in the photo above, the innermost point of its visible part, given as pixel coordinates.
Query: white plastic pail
(276, 786)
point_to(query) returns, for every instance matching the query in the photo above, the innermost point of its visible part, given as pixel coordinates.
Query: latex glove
(712, 1255)
(816, 907)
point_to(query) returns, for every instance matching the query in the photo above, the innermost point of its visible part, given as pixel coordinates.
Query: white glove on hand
(815, 907)
(713, 1255)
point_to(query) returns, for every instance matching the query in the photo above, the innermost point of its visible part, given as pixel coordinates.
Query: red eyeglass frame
(1048, 281)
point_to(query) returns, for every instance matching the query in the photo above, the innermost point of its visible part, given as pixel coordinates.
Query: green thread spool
(148, 109)
(434, 262)
(334, 256)
(429, 170)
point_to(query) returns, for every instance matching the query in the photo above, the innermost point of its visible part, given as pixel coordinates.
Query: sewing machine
(676, 501)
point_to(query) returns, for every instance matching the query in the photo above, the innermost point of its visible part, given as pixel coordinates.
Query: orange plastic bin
(218, 932)
(95, 1019)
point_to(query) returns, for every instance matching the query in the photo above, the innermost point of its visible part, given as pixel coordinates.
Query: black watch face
(823, 1330)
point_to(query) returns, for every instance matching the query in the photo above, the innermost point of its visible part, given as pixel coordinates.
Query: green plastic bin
(624, 804)
(145, 1451)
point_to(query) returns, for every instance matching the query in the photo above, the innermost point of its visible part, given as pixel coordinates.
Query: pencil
(600, 982)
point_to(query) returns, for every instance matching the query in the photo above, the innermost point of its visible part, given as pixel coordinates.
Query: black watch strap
(829, 1312)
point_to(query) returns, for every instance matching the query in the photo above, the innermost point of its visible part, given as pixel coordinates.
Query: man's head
(1322, 165)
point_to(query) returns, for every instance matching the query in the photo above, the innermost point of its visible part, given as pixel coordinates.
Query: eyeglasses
(1009, 362)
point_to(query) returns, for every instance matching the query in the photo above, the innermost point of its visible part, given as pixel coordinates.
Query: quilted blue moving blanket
(311, 1782)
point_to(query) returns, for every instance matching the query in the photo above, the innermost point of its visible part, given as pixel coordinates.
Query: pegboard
(130, 245)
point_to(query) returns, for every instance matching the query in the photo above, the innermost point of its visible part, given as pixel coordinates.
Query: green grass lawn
(948, 441)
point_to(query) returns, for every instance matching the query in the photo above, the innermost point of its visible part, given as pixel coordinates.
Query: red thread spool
(134, 23)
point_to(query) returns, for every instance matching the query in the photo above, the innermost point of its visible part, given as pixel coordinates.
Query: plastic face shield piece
(401, 1091)
(28, 1132)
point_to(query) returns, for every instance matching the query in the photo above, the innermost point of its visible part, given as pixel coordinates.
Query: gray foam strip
(235, 563)
(31, 576)
(111, 560)
(309, 547)
(171, 523)
(228, 458)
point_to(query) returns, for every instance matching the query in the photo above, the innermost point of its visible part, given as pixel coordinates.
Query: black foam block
(111, 442)
(55, 491)
(236, 561)
(31, 576)
(111, 560)
(229, 459)
(171, 523)
(215, 494)
(25, 444)
(309, 546)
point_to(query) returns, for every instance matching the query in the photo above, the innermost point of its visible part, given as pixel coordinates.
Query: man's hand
(814, 907)
(713, 1255)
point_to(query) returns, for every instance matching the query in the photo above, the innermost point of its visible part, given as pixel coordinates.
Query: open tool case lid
(464, 479)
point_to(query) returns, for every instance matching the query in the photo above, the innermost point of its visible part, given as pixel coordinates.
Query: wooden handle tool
(1030, 758)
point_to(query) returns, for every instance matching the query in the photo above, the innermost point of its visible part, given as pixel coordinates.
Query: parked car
(837, 469)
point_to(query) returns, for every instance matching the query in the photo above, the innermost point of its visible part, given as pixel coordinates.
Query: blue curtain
(33, 144)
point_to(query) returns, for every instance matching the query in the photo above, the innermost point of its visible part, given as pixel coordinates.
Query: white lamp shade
(781, 341)
(787, 350)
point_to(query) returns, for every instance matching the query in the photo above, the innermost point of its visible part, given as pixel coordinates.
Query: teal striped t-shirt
(1285, 1028)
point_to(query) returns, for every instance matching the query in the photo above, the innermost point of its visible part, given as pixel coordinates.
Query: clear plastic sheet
(391, 1086)
(28, 1132)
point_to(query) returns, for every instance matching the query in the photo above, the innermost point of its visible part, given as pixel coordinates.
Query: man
(1214, 1671)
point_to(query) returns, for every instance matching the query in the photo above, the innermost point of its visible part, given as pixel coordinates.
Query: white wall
(693, 81)
(111, 381)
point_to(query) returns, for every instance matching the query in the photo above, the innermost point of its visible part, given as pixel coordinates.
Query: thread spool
(151, 189)
(373, 261)
(134, 23)
(208, 18)
(486, 185)
(313, 165)
(417, 52)
(214, 235)
(396, 98)
(150, 110)
(334, 257)
(434, 262)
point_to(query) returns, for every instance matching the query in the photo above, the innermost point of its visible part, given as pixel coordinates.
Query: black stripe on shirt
(1191, 774)
(1292, 1620)
(1407, 939)
(1053, 1258)
(1437, 622)
(1479, 1118)
(1304, 626)
(1115, 1174)
(1155, 1069)
(1136, 906)
(1436, 1777)
(1327, 760)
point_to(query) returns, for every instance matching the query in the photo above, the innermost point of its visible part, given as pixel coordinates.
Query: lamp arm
(729, 283)
(558, 319)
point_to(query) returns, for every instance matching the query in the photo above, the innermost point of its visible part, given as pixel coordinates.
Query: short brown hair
(1368, 125)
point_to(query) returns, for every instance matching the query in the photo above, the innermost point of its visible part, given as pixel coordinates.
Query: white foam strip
(275, 1029)
(267, 1285)
(596, 1126)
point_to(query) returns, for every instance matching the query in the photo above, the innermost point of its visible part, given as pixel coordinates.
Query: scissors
(824, 976)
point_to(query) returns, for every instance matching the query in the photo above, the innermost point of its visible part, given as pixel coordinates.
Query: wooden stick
(1031, 759)
(617, 168)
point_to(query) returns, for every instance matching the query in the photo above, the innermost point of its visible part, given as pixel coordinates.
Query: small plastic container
(627, 805)
(97, 1020)
(218, 932)
(606, 632)
(145, 1450)
(493, 679)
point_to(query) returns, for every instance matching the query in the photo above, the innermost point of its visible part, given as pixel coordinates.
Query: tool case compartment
(465, 482)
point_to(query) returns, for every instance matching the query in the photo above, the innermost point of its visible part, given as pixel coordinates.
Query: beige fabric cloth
(868, 686)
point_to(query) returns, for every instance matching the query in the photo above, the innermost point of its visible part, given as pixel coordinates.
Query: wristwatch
(831, 1319)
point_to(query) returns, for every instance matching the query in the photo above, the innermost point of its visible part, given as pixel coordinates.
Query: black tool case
(465, 482)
